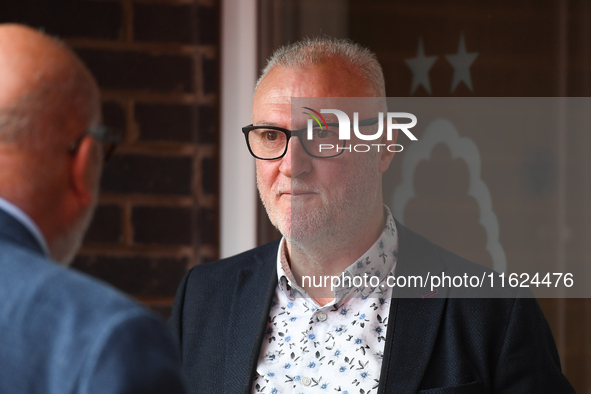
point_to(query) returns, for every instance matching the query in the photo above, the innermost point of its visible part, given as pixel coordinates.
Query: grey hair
(310, 51)
(16, 119)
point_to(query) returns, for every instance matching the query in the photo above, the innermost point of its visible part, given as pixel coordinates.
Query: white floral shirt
(337, 347)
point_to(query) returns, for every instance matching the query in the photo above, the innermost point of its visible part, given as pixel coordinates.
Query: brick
(163, 22)
(158, 122)
(136, 275)
(209, 175)
(162, 225)
(148, 174)
(210, 75)
(66, 18)
(208, 19)
(114, 115)
(207, 125)
(105, 226)
(139, 71)
(207, 224)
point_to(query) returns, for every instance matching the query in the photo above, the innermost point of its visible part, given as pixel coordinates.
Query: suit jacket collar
(13, 231)
(254, 289)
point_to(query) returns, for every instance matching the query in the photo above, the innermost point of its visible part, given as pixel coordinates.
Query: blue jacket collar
(13, 231)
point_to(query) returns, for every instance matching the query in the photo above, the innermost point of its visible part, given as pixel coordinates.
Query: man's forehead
(280, 85)
(305, 107)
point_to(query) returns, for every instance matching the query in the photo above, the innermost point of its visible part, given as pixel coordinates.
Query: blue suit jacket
(62, 332)
(433, 345)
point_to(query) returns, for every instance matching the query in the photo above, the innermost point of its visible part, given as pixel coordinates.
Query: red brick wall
(157, 65)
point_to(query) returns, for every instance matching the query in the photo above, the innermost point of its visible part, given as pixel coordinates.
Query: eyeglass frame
(299, 134)
(103, 134)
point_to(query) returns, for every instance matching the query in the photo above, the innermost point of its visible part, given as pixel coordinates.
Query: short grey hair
(310, 51)
(14, 119)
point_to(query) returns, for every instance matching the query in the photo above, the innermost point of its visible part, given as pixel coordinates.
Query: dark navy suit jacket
(62, 332)
(433, 345)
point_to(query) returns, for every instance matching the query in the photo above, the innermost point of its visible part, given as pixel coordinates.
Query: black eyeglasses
(270, 142)
(106, 136)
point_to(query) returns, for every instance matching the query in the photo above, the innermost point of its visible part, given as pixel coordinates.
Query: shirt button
(321, 316)
(306, 381)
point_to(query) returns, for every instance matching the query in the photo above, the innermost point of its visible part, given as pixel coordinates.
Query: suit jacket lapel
(414, 320)
(253, 292)
(412, 331)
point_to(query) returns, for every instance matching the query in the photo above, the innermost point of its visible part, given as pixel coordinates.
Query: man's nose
(296, 161)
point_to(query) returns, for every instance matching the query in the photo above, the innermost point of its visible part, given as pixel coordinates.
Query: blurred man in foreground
(254, 323)
(60, 331)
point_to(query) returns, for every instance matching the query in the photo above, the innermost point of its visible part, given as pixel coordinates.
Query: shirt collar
(26, 221)
(378, 261)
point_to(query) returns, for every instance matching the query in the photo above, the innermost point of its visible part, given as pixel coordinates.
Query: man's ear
(82, 171)
(385, 155)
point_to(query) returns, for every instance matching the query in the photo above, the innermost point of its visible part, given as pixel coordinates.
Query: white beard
(337, 221)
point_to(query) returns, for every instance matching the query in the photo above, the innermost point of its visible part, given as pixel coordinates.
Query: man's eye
(270, 135)
(322, 133)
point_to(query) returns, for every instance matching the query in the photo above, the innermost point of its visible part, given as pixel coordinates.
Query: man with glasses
(265, 321)
(60, 331)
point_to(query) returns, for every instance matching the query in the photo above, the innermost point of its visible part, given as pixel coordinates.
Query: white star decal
(420, 67)
(461, 62)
